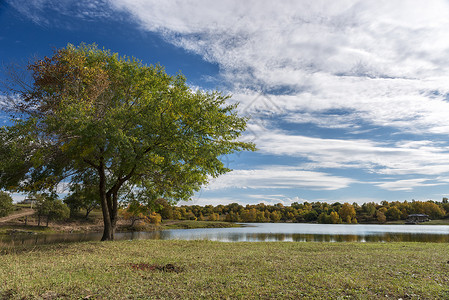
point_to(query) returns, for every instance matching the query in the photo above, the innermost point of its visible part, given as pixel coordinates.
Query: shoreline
(94, 224)
(12, 228)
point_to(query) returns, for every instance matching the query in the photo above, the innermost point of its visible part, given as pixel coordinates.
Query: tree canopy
(137, 130)
(321, 212)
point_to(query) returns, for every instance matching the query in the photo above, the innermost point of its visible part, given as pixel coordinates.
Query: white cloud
(267, 199)
(380, 60)
(241, 199)
(202, 201)
(406, 184)
(279, 177)
(16, 197)
(383, 62)
(286, 201)
(408, 105)
(406, 157)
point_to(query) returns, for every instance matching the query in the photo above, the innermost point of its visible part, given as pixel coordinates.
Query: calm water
(264, 232)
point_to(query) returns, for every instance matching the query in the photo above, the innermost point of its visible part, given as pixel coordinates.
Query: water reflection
(263, 232)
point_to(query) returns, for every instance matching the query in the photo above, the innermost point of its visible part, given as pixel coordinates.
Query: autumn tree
(214, 217)
(260, 216)
(347, 213)
(380, 216)
(164, 208)
(136, 211)
(334, 218)
(393, 213)
(369, 209)
(88, 110)
(275, 216)
(232, 217)
(249, 215)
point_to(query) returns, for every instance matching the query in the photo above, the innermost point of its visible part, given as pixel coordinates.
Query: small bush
(141, 225)
(6, 206)
(155, 218)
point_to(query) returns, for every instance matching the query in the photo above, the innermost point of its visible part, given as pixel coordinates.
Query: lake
(263, 232)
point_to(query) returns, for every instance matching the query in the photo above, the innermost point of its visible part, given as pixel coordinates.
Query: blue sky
(348, 99)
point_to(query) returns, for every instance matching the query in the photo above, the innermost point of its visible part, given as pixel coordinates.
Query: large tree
(89, 111)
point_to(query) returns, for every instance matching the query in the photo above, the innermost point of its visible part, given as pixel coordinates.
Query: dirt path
(23, 213)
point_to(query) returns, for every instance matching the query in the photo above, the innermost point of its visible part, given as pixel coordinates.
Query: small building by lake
(417, 218)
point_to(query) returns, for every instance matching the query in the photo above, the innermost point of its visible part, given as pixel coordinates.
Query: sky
(348, 100)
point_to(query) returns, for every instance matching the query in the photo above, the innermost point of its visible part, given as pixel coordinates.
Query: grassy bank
(212, 270)
(437, 222)
(431, 222)
(19, 229)
(94, 223)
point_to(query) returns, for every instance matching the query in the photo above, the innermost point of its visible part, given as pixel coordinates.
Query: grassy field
(152, 269)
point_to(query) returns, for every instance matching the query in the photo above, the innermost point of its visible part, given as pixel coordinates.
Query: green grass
(20, 205)
(437, 222)
(432, 222)
(214, 270)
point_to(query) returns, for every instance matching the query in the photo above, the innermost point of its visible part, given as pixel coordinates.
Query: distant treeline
(320, 212)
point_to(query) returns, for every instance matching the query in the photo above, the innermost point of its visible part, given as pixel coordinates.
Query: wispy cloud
(381, 62)
(384, 62)
(275, 199)
(248, 199)
(279, 177)
(38, 10)
(407, 184)
(399, 158)
(210, 201)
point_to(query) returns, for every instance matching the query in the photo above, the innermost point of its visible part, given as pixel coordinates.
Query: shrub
(155, 218)
(52, 208)
(6, 206)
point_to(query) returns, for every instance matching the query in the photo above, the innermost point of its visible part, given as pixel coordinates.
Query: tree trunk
(110, 223)
(88, 210)
(109, 202)
(108, 232)
(114, 211)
